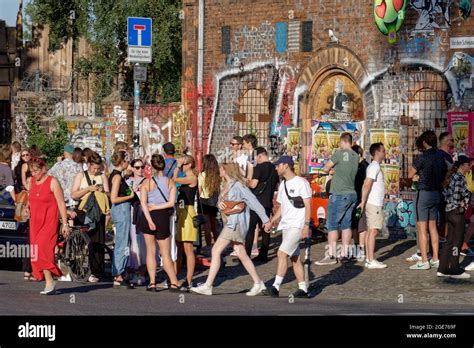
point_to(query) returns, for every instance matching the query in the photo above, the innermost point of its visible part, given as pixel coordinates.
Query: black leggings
(449, 258)
(254, 221)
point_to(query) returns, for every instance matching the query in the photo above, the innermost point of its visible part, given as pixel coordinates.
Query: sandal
(174, 288)
(27, 276)
(151, 287)
(123, 283)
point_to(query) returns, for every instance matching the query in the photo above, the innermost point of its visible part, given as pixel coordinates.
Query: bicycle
(74, 253)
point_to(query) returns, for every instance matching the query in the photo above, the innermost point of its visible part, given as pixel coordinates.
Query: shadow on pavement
(338, 276)
(84, 289)
(397, 250)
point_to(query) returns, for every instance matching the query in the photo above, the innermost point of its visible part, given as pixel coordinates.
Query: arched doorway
(333, 80)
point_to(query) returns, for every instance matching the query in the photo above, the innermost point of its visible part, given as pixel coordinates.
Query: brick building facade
(270, 65)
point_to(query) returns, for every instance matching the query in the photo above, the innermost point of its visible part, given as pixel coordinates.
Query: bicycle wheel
(77, 255)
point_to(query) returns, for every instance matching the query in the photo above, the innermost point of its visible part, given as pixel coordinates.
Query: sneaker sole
(257, 294)
(457, 277)
(324, 264)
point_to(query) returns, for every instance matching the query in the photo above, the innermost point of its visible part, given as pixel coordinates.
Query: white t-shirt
(292, 217)
(377, 193)
(242, 161)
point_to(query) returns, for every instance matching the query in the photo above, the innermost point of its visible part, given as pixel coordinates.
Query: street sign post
(139, 73)
(139, 32)
(139, 38)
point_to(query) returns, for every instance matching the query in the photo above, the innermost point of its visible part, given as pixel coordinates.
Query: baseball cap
(69, 149)
(285, 160)
(463, 160)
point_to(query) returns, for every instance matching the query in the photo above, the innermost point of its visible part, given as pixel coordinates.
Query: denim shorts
(340, 209)
(427, 205)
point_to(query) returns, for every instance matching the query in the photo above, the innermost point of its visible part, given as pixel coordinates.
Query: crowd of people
(159, 206)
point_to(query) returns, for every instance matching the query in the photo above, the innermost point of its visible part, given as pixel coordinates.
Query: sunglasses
(140, 167)
(25, 155)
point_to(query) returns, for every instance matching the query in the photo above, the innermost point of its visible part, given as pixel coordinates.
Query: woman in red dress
(46, 203)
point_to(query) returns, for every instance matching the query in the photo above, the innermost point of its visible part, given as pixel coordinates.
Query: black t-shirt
(431, 168)
(123, 188)
(360, 178)
(267, 177)
(447, 157)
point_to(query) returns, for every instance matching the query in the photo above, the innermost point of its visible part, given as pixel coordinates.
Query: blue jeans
(340, 209)
(121, 218)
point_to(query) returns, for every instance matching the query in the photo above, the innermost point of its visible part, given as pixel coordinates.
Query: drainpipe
(200, 72)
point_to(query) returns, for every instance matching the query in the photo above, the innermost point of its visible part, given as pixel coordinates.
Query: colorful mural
(339, 99)
(389, 16)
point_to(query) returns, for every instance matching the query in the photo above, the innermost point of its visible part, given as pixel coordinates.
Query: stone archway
(329, 62)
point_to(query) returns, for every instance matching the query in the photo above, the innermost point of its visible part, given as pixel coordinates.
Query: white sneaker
(326, 261)
(256, 289)
(413, 258)
(461, 276)
(420, 265)
(439, 274)
(434, 264)
(202, 289)
(469, 267)
(374, 264)
(65, 278)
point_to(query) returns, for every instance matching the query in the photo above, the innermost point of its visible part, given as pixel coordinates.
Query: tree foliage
(103, 23)
(50, 143)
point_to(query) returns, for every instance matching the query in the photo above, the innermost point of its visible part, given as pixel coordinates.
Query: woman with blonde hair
(235, 227)
(186, 233)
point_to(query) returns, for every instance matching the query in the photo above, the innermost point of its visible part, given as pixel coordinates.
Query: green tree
(103, 23)
(50, 143)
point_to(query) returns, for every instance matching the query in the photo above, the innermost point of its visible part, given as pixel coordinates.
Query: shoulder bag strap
(170, 168)
(286, 190)
(158, 187)
(88, 179)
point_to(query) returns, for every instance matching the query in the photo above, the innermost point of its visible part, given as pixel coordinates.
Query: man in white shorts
(373, 194)
(294, 197)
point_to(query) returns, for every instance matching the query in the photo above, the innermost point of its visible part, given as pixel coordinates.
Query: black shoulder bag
(199, 219)
(297, 202)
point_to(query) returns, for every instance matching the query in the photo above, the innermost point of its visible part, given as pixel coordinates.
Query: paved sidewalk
(341, 289)
(352, 281)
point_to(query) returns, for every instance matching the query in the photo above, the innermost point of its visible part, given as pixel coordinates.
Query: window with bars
(254, 113)
(425, 109)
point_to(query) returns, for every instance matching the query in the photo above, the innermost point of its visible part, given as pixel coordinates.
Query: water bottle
(414, 184)
(358, 213)
(273, 231)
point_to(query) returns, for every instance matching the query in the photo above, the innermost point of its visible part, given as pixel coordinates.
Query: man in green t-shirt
(342, 199)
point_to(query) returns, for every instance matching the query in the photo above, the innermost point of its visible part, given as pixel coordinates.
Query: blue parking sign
(139, 31)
